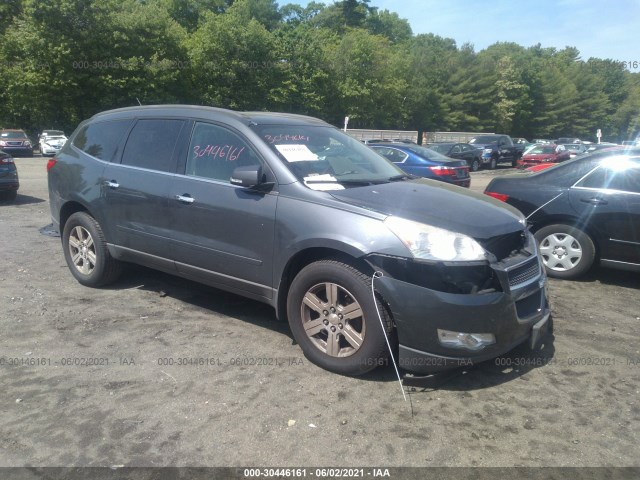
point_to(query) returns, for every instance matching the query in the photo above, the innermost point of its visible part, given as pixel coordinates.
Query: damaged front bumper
(509, 309)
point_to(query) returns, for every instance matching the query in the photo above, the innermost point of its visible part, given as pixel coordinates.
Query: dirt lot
(93, 377)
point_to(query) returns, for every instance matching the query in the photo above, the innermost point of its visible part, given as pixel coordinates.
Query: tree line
(61, 61)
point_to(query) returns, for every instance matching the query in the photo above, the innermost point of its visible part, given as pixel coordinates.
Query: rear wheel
(86, 253)
(333, 318)
(567, 252)
(9, 196)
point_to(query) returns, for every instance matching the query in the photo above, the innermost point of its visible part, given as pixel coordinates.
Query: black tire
(567, 251)
(353, 288)
(9, 196)
(493, 163)
(475, 165)
(93, 265)
(514, 162)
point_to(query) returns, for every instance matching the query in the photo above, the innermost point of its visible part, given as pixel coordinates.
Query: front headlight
(432, 243)
(487, 150)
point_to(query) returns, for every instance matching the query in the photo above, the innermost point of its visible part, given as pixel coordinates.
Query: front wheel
(86, 253)
(475, 165)
(334, 319)
(567, 252)
(493, 163)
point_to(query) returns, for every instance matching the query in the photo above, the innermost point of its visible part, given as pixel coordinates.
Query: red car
(541, 166)
(547, 153)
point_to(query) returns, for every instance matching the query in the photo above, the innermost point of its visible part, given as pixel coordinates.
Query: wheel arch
(307, 256)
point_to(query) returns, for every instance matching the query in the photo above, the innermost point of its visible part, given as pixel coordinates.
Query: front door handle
(112, 184)
(594, 201)
(185, 198)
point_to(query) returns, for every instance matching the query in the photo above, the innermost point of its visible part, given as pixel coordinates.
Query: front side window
(151, 143)
(101, 139)
(324, 158)
(214, 152)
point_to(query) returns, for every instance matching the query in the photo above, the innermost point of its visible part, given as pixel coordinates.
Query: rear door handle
(594, 201)
(112, 184)
(185, 198)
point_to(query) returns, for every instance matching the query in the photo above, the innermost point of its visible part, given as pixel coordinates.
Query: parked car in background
(574, 149)
(543, 141)
(538, 154)
(496, 149)
(565, 140)
(16, 143)
(292, 212)
(461, 151)
(600, 146)
(9, 183)
(51, 141)
(425, 162)
(522, 144)
(581, 211)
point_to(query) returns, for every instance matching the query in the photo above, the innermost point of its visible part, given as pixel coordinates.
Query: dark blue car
(426, 163)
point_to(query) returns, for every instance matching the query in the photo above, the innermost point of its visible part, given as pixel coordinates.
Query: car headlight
(487, 150)
(433, 243)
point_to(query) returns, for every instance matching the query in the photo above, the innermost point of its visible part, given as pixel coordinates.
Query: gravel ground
(159, 371)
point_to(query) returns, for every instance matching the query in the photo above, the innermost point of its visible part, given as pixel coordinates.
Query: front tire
(475, 165)
(86, 253)
(493, 163)
(333, 317)
(567, 252)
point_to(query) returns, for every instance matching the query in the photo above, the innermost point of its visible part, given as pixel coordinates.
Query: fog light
(466, 341)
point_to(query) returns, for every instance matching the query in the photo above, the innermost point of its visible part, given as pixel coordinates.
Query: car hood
(437, 204)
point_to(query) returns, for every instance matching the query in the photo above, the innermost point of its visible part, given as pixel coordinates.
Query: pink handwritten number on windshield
(286, 138)
(228, 152)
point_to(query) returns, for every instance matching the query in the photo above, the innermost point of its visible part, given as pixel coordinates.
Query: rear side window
(215, 152)
(101, 139)
(624, 180)
(151, 144)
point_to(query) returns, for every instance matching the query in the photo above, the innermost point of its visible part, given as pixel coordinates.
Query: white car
(51, 141)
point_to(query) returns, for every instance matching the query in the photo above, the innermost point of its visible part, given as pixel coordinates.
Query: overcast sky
(603, 29)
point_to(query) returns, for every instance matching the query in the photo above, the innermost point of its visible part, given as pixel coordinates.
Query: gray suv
(290, 211)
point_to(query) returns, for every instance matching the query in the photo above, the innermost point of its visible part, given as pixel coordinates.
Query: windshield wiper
(402, 176)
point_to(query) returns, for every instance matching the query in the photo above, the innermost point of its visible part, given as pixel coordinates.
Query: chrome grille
(525, 272)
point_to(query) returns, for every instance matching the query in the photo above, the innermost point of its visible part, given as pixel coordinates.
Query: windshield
(324, 158)
(541, 150)
(573, 147)
(13, 135)
(443, 148)
(484, 139)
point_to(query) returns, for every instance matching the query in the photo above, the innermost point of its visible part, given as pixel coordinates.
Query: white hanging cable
(384, 331)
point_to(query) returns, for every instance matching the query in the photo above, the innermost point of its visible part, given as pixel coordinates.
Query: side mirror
(246, 176)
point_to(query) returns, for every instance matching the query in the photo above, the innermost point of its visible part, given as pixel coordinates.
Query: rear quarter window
(151, 144)
(101, 139)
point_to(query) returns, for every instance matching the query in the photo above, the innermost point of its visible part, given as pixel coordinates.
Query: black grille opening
(503, 246)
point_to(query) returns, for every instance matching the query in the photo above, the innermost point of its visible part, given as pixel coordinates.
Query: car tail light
(6, 160)
(500, 196)
(442, 171)
(51, 163)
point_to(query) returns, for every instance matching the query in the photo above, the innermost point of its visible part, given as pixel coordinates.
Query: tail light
(500, 196)
(442, 171)
(6, 160)
(51, 163)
